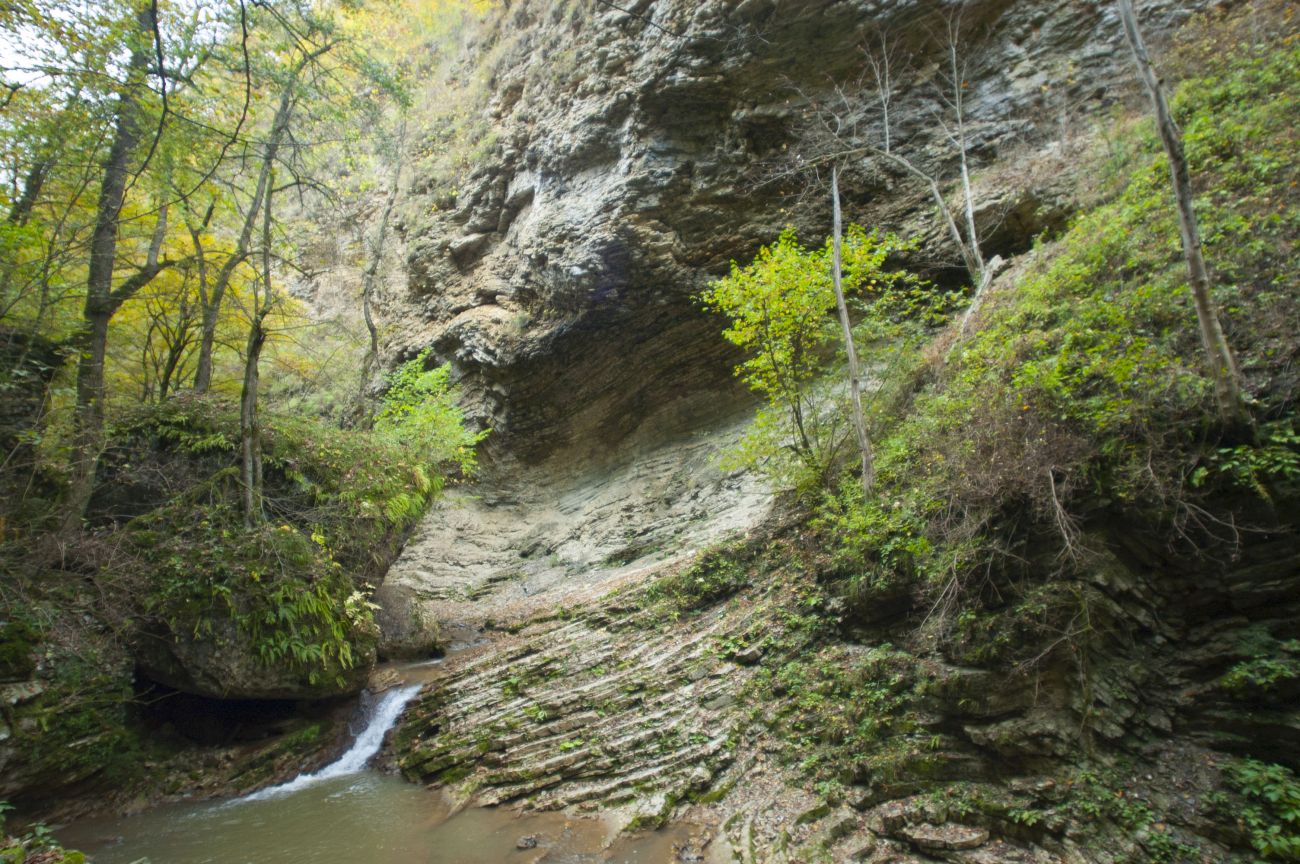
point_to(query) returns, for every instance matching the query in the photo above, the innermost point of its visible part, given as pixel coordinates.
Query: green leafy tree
(782, 308)
(420, 412)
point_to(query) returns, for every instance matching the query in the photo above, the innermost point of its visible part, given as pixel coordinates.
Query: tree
(139, 126)
(1219, 358)
(370, 278)
(212, 298)
(103, 298)
(782, 310)
(855, 381)
(250, 432)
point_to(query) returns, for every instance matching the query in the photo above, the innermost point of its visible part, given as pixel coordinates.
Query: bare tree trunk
(1222, 364)
(179, 342)
(92, 342)
(250, 431)
(855, 382)
(370, 279)
(968, 199)
(977, 300)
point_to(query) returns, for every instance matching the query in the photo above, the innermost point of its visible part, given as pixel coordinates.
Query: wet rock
(23, 691)
(944, 838)
(529, 841)
(407, 631)
(383, 679)
(690, 852)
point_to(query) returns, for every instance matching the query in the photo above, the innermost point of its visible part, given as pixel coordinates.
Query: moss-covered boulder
(235, 612)
(222, 663)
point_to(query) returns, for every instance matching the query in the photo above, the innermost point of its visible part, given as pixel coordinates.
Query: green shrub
(1272, 816)
(284, 592)
(37, 843)
(338, 502)
(715, 575)
(782, 313)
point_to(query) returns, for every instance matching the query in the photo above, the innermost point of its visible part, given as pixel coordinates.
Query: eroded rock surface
(558, 280)
(526, 539)
(620, 162)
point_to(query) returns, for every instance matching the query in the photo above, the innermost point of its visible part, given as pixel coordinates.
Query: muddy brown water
(365, 817)
(355, 813)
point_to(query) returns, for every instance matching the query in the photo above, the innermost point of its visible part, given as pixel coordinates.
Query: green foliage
(846, 713)
(1272, 815)
(337, 500)
(1268, 666)
(1097, 795)
(1082, 385)
(716, 574)
(782, 313)
(36, 844)
(352, 487)
(286, 596)
(419, 411)
(1274, 460)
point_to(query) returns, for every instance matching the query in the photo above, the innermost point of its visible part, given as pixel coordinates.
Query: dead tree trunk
(1219, 358)
(855, 382)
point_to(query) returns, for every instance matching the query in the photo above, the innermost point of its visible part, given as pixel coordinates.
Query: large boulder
(407, 630)
(225, 664)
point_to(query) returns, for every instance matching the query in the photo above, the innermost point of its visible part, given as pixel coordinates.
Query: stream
(348, 811)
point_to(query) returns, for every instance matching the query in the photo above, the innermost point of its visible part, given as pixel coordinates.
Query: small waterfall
(381, 717)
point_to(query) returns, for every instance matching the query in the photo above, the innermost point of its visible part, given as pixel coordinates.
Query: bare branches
(882, 63)
(161, 71)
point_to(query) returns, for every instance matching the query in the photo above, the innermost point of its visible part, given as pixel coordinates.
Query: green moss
(1083, 387)
(455, 774)
(283, 590)
(717, 574)
(844, 713)
(18, 643)
(78, 727)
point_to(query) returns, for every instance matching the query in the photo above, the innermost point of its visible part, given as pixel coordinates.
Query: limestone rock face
(408, 632)
(623, 163)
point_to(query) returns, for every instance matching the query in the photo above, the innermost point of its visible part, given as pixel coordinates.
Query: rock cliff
(618, 158)
(625, 157)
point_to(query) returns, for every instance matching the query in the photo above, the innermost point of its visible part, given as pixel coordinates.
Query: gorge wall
(625, 157)
(621, 159)
(588, 169)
